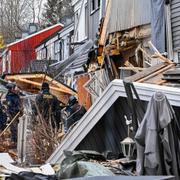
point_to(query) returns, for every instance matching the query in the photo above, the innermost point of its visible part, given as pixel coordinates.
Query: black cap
(10, 86)
(45, 85)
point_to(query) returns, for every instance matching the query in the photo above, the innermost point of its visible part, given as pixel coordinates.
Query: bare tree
(15, 14)
(57, 11)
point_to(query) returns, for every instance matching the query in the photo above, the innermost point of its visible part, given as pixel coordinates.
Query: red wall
(23, 51)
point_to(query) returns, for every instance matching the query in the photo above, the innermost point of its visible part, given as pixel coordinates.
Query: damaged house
(132, 39)
(128, 28)
(124, 42)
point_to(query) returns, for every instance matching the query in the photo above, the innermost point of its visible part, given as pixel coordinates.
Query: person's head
(72, 100)
(10, 87)
(45, 86)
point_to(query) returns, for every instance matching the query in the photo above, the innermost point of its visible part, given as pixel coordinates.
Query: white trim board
(114, 90)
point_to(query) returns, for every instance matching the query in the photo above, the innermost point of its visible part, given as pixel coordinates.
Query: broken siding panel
(84, 97)
(126, 14)
(175, 23)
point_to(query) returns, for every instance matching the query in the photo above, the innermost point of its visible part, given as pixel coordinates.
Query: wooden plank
(145, 73)
(11, 77)
(132, 68)
(114, 69)
(56, 83)
(161, 82)
(128, 64)
(156, 73)
(105, 24)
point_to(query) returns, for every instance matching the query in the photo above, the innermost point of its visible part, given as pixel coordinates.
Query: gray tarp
(157, 138)
(158, 24)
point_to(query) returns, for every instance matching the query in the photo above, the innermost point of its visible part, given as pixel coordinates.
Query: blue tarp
(158, 24)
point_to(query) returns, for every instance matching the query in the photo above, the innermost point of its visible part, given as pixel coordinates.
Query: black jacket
(49, 106)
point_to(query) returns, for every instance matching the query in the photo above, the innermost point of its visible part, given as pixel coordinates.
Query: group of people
(46, 104)
(51, 108)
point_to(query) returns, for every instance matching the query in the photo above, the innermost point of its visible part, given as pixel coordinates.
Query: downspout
(169, 31)
(101, 9)
(75, 31)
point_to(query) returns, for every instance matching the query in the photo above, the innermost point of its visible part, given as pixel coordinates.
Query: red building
(18, 54)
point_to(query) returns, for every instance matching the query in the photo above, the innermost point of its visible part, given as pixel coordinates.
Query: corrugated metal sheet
(126, 14)
(76, 59)
(175, 23)
(79, 62)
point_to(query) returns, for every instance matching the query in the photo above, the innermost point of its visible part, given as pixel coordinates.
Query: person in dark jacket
(13, 107)
(74, 111)
(48, 106)
(3, 118)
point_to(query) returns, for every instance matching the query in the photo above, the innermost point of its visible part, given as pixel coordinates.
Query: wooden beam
(103, 35)
(39, 76)
(56, 83)
(161, 82)
(146, 72)
(128, 64)
(39, 85)
(132, 68)
(11, 77)
(156, 73)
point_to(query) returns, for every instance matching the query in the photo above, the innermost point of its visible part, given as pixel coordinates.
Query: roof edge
(46, 29)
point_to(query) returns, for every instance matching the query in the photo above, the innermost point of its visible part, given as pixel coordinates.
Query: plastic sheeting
(158, 24)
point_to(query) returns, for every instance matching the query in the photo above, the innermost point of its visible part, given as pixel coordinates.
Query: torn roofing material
(78, 62)
(101, 106)
(60, 67)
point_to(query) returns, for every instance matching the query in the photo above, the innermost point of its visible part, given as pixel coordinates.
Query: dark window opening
(99, 3)
(93, 5)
